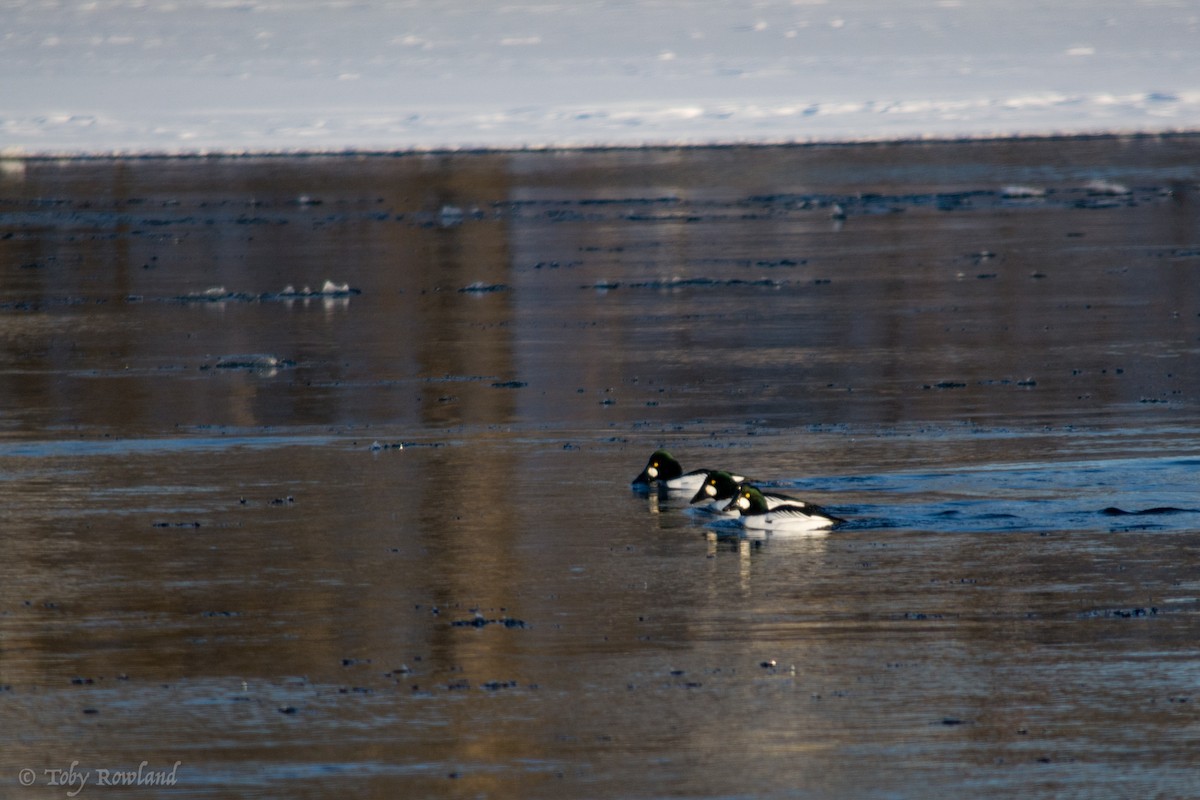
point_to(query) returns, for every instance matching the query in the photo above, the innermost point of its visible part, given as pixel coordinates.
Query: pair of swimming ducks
(732, 495)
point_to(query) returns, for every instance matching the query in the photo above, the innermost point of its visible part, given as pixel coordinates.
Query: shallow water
(380, 539)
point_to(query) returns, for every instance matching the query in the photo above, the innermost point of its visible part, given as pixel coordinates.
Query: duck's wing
(689, 481)
(814, 515)
(776, 499)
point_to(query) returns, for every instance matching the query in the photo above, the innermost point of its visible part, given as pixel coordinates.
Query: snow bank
(267, 76)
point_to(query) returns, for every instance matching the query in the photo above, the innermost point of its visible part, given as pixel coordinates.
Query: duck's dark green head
(662, 466)
(749, 500)
(719, 485)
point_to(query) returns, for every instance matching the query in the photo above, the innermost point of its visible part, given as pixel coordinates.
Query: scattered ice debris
(328, 289)
(450, 216)
(1119, 613)
(448, 378)
(378, 446)
(479, 621)
(681, 283)
(256, 362)
(219, 294)
(1107, 188)
(1022, 192)
(479, 287)
(216, 294)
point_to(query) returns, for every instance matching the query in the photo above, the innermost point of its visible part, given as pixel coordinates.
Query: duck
(720, 487)
(664, 470)
(784, 518)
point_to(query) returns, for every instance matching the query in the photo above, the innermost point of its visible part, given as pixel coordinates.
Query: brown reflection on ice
(608, 289)
(108, 292)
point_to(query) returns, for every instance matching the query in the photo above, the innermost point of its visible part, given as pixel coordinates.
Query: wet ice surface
(383, 540)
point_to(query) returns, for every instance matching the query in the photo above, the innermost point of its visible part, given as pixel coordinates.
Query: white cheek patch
(743, 502)
(652, 472)
(710, 490)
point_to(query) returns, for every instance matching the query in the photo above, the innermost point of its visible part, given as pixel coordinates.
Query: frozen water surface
(256, 76)
(286, 505)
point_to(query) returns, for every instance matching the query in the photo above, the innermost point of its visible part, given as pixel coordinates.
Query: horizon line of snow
(716, 122)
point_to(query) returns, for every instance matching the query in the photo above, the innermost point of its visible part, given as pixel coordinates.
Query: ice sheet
(165, 76)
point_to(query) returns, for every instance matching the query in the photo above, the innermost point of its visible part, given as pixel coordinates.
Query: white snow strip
(109, 77)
